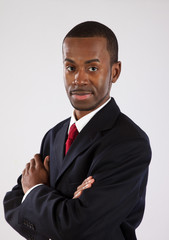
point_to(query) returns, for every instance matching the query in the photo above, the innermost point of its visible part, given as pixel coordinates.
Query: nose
(81, 77)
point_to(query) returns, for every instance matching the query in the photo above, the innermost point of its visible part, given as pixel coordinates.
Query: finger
(23, 172)
(27, 168)
(87, 179)
(38, 161)
(77, 194)
(85, 184)
(91, 180)
(46, 163)
(32, 163)
(82, 187)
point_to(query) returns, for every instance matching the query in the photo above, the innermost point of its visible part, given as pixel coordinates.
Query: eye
(93, 69)
(70, 68)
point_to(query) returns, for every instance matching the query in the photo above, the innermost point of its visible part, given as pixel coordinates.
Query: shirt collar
(80, 124)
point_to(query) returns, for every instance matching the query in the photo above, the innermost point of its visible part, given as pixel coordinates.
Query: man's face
(87, 73)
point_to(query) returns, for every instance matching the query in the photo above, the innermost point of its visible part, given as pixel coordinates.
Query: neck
(79, 113)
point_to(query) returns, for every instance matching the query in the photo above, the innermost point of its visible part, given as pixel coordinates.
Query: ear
(116, 69)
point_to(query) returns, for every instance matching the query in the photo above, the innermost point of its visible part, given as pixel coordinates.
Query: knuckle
(37, 155)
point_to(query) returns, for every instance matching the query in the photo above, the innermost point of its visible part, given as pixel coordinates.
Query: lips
(81, 94)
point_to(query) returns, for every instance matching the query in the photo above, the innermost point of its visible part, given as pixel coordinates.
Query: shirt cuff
(26, 194)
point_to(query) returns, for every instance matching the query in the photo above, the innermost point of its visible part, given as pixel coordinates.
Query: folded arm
(120, 180)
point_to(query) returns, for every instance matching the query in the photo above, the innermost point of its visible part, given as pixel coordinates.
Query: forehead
(92, 47)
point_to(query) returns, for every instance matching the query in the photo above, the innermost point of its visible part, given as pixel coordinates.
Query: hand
(35, 172)
(87, 183)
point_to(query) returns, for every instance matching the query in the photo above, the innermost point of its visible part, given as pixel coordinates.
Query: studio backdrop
(33, 98)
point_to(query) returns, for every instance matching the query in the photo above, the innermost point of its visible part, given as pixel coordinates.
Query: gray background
(33, 99)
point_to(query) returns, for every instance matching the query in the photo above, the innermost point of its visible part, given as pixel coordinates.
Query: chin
(83, 107)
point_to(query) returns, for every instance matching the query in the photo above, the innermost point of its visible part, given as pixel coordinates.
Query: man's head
(90, 66)
(96, 29)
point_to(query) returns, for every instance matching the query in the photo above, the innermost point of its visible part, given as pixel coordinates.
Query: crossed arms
(37, 172)
(116, 198)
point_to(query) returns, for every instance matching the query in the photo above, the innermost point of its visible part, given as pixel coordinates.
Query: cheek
(66, 85)
(68, 77)
(103, 83)
(67, 80)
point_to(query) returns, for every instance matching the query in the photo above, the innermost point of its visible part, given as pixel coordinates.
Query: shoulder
(124, 136)
(57, 127)
(124, 143)
(127, 128)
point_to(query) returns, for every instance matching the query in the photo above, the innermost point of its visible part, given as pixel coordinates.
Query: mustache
(81, 90)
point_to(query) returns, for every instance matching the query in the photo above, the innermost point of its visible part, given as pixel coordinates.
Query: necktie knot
(73, 132)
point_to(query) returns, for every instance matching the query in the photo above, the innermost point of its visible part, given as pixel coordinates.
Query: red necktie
(73, 132)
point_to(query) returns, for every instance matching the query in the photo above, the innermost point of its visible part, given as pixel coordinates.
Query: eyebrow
(68, 60)
(86, 62)
(92, 60)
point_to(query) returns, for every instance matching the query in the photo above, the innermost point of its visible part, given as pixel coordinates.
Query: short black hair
(96, 29)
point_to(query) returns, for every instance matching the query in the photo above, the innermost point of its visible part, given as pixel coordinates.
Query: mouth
(81, 94)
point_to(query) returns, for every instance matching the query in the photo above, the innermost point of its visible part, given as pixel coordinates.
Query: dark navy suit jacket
(112, 149)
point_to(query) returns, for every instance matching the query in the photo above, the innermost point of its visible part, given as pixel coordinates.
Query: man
(95, 188)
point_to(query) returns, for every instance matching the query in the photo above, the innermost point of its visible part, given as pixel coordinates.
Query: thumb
(46, 163)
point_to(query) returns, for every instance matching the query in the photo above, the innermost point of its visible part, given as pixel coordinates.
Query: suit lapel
(58, 153)
(82, 142)
(103, 120)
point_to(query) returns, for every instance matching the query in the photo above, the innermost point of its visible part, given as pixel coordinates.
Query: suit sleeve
(118, 194)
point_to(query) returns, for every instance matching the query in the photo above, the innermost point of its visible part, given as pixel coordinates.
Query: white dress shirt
(81, 123)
